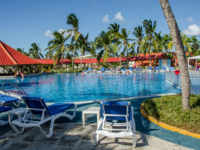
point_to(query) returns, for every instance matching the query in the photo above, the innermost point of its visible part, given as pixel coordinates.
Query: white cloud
(49, 33)
(190, 19)
(105, 19)
(193, 30)
(119, 17)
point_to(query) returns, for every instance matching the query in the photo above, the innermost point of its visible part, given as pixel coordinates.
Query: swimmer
(120, 73)
(76, 73)
(128, 72)
(101, 77)
(82, 72)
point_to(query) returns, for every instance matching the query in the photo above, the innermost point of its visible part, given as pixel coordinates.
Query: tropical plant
(72, 20)
(85, 46)
(57, 46)
(35, 51)
(23, 52)
(114, 29)
(172, 24)
(105, 40)
(158, 45)
(138, 33)
(149, 30)
(125, 41)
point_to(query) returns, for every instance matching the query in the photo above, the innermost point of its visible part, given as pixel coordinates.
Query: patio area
(72, 136)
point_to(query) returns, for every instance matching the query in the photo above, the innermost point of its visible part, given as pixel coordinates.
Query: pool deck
(72, 136)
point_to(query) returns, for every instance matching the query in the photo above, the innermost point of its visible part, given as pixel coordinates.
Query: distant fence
(176, 80)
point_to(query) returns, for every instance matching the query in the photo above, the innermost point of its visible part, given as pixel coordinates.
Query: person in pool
(82, 72)
(101, 77)
(128, 72)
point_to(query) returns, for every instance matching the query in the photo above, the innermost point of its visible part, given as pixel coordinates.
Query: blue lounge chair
(123, 70)
(4, 109)
(89, 70)
(171, 69)
(116, 111)
(102, 70)
(131, 69)
(140, 69)
(150, 69)
(37, 113)
(157, 69)
(5, 99)
(164, 69)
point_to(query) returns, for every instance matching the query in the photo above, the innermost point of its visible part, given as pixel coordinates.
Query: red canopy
(10, 56)
(112, 59)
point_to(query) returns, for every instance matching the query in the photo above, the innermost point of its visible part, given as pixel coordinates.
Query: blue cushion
(58, 108)
(116, 108)
(4, 109)
(8, 99)
(35, 102)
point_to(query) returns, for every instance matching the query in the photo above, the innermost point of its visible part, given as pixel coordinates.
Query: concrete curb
(166, 126)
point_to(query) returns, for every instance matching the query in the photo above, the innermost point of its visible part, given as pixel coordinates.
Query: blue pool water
(70, 88)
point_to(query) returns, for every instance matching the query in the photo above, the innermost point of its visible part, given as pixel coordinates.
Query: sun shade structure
(195, 57)
(10, 56)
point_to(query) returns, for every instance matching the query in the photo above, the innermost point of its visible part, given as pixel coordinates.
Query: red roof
(112, 59)
(51, 61)
(10, 56)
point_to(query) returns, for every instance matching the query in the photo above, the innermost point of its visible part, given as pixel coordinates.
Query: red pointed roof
(10, 56)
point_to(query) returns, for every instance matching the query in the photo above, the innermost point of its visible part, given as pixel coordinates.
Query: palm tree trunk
(138, 57)
(120, 58)
(150, 54)
(81, 61)
(62, 61)
(127, 58)
(73, 56)
(174, 30)
(155, 61)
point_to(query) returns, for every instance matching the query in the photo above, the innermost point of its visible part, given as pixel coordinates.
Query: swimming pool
(69, 87)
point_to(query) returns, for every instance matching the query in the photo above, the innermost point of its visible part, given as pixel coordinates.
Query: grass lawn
(168, 109)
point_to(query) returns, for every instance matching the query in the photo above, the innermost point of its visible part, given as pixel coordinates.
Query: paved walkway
(71, 136)
(149, 135)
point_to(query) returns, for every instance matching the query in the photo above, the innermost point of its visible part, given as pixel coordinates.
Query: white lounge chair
(37, 113)
(5, 99)
(4, 109)
(121, 111)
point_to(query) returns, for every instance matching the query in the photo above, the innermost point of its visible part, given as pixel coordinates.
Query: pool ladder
(12, 84)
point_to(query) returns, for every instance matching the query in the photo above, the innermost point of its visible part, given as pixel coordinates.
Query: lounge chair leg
(51, 128)
(16, 130)
(95, 138)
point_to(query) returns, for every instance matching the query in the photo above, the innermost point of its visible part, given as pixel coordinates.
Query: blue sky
(23, 22)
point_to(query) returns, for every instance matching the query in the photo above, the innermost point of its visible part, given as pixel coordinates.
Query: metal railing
(12, 84)
(176, 80)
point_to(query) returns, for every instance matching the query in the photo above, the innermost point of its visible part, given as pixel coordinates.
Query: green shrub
(168, 109)
(169, 56)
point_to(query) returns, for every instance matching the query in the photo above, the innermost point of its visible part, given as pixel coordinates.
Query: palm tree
(114, 29)
(23, 52)
(85, 46)
(125, 41)
(172, 24)
(149, 30)
(138, 33)
(58, 46)
(35, 51)
(158, 45)
(20, 50)
(105, 40)
(72, 20)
